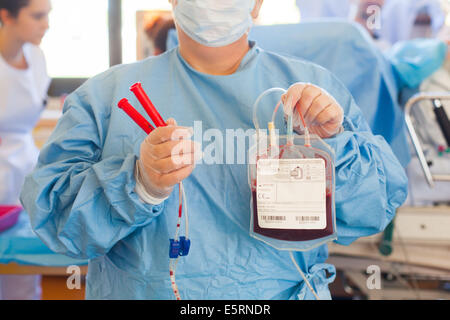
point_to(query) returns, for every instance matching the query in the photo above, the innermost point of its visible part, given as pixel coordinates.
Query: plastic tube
(256, 105)
(136, 116)
(275, 111)
(185, 212)
(305, 128)
(173, 262)
(303, 275)
(180, 211)
(147, 104)
(290, 118)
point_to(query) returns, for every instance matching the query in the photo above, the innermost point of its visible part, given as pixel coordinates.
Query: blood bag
(292, 184)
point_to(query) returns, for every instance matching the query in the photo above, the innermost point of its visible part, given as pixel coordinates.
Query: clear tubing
(290, 118)
(173, 281)
(185, 212)
(256, 105)
(275, 111)
(303, 276)
(173, 262)
(179, 212)
(307, 138)
(290, 131)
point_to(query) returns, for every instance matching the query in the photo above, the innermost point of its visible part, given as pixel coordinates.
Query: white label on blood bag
(291, 194)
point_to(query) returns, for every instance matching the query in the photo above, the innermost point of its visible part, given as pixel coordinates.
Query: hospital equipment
(436, 99)
(179, 245)
(442, 118)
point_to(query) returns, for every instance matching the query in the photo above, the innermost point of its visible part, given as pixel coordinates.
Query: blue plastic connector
(174, 250)
(185, 245)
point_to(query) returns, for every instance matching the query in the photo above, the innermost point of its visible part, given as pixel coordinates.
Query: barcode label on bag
(291, 194)
(274, 218)
(307, 218)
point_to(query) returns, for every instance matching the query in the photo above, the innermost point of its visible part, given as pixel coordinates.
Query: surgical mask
(214, 23)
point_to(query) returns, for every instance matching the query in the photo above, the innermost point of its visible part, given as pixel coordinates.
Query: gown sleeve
(79, 203)
(370, 181)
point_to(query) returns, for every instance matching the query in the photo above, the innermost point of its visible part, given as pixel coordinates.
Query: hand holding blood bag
(292, 183)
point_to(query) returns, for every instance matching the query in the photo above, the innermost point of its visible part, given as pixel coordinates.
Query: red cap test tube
(147, 104)
(136, 116)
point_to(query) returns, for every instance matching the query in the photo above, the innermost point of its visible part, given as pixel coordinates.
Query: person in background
(23, 90)
(157, 31)
(398, 20)
(410, 19)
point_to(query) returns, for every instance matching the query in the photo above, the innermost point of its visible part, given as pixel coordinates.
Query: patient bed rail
(435, 99)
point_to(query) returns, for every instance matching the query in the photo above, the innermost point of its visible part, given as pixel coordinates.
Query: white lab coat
(22, 99)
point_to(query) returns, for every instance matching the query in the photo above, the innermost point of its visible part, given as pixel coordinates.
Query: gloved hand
(322, 113)
(167, 157)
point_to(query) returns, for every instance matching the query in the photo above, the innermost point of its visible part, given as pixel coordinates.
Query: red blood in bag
(294, 234)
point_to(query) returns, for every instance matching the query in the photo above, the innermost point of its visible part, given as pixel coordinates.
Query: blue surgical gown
(82, 202)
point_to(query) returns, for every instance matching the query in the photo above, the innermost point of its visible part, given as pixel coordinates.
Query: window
(279, 12)
(76, 45)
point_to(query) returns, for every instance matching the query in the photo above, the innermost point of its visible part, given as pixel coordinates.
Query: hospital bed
(22, 252)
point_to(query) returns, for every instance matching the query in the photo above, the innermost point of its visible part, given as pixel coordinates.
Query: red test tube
(136, 116)
(147, 104)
